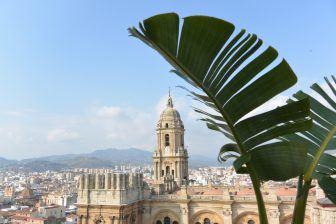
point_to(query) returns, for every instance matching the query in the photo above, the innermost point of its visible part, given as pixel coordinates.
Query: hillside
(104, 158)
(6, 162)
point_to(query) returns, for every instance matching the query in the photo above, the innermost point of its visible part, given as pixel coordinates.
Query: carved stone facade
(118, 198)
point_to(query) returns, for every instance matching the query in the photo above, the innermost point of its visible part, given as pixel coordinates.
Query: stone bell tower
(170, 159)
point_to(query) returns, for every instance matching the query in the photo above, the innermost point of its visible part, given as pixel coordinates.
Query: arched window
(197, 223)
(166, 139)
(173, 173)
(162, 172)
(158, 222)
(167, 125)
(206, 221)
(166, 220)
(167, 170)
(175, 222)
(250, 221)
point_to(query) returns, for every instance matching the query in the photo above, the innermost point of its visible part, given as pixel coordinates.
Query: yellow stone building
(119, 198)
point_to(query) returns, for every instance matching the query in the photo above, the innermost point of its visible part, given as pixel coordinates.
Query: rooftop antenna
(169, 91)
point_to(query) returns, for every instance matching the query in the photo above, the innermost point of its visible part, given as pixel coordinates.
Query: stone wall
(110, 189)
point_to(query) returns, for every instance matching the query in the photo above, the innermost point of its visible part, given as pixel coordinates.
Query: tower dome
(170, 117)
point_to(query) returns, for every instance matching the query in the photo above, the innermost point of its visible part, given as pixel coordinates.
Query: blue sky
(63, 64)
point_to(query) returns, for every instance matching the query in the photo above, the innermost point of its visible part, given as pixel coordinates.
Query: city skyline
(72, 81)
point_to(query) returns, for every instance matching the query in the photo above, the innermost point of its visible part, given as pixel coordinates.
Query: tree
(233, 75)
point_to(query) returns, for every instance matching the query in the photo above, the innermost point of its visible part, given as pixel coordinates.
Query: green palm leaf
(320, 138)
(209, 56)
(234, 79)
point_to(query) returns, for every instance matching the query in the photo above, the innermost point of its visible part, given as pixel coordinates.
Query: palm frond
(234, 80)
(321, 137)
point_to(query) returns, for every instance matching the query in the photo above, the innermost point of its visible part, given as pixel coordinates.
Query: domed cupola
(170, 118)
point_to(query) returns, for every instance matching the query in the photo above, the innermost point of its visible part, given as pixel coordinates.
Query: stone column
(182, 169)
(81, 182)
(187, 169)
(97, 181)
(87, 181)
(118, 181)
(155, 170)
(274, 216)
(107, 181)
(79, 220)
(178, 170)
(84, 220)
(227, 213)
(113, 181)
(158, 171)
(112, 220)
(184, 217)
(123, 181)
(315, 216)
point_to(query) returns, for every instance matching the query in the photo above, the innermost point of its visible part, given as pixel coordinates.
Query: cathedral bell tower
(170, 159)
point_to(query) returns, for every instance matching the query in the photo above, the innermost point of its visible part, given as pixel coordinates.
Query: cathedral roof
(285, 191)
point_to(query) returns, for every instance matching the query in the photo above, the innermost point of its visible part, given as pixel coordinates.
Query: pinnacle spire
(170, 100)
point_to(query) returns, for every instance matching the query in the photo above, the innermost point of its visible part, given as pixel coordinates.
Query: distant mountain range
(105, 158)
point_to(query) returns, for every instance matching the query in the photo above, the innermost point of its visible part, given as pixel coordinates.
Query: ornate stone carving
(274, 213)
(184, 210)
(227, 212)
(99, 219)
